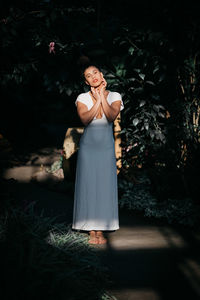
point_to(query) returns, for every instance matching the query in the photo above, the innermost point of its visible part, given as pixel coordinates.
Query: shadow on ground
(146, 258)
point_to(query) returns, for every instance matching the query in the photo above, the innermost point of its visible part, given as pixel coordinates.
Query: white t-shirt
(87, 100)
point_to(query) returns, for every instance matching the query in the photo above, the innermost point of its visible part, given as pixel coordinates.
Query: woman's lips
(95, 80)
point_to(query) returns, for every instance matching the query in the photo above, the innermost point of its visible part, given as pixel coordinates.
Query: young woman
(96, 193)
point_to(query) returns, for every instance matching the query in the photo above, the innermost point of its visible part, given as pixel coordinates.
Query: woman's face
(93, 76)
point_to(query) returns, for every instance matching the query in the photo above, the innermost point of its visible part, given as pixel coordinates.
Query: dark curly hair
(86, 66)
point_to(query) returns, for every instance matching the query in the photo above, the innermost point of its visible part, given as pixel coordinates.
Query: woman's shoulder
(115, 95)
(83, 95)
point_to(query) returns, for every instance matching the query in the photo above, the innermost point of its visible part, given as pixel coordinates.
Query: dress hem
(89, 229)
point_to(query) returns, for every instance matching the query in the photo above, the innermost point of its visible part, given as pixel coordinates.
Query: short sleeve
(115, 96)
(81, 98)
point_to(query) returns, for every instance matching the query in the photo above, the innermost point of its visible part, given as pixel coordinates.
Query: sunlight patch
(191, 270)
(22, 174)
(136, 294)
(146, 237)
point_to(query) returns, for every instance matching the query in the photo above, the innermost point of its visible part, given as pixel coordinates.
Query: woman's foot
(93, 239)
(100, 238)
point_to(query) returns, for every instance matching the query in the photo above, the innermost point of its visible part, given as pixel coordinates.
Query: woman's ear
(86, 82)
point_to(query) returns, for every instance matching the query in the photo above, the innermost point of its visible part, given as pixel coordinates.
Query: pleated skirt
(96, 188)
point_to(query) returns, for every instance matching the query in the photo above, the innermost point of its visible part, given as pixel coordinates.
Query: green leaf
(132, 79)
(34, 67)
(155, 70)
(161, 115)
(122, 43)
(137, 70)
(152, 134)
(138, 90)
(161, 78)
(142, 103)
(38, 44)
(156, 107)
(69, 91)
(150, 82)
(131, 50)
(142, 76)
(146, 126)
(135, 121)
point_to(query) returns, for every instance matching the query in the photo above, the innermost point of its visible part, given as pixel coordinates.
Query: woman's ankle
(92, 231)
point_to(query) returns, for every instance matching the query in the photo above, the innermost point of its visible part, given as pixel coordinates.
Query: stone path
(147, 259)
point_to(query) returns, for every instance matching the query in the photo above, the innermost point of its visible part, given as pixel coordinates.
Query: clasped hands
(99, 92)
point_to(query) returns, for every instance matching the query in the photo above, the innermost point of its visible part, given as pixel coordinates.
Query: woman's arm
(86, 115)
(111, 111)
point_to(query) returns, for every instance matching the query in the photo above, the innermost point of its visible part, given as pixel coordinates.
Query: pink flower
(52, 47)
(129, 148)
(4, 21)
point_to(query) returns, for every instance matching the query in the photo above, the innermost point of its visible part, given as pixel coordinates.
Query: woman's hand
(103, 88)
(96, 94)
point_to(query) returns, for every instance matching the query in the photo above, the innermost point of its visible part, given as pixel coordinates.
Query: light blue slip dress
(96, 191)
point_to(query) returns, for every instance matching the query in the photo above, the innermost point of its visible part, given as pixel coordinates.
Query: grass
(138, 197)
(40, 258)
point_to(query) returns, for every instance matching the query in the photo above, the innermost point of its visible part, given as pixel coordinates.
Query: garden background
(149, 52)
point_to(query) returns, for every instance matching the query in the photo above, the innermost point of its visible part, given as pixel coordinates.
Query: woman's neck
(98, 87)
